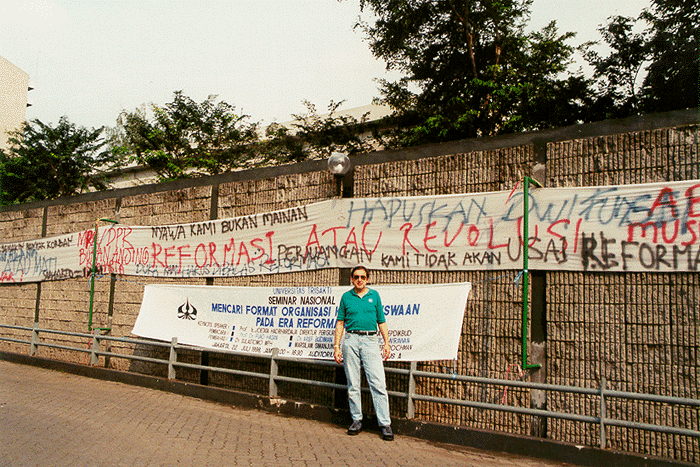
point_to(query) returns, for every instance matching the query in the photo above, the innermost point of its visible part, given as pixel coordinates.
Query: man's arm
(339, 328)
(386, 350)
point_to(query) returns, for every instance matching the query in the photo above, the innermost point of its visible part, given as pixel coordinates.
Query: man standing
(359, 313)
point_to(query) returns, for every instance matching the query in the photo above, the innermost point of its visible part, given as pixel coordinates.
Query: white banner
(52, 258)
(652, 227)
(425, 321)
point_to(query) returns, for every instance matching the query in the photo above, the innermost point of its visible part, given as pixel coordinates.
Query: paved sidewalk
(49, 418)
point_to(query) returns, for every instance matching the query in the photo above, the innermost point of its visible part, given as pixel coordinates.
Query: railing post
(34, 345)
(173, 359)
(274, 369)
(411, 408)
(603, 413)
(94, 358)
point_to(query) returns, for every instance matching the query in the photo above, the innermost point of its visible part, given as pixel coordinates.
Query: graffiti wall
(615, 228)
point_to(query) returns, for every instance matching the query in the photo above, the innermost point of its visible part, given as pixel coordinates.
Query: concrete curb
(428, 431)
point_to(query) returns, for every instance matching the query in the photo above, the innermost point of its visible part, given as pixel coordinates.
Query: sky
(92, 59)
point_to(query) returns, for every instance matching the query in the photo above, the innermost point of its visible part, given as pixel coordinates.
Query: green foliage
(320, 136)
(46, 162)
(471, 70)
(186, 139)
(617, 74)
(673, 79)
(667, 49)
(312, 136)
(281, 146)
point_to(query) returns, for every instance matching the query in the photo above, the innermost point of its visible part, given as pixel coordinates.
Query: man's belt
(364, 333)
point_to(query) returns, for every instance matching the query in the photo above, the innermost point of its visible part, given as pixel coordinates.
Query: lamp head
(339, 163)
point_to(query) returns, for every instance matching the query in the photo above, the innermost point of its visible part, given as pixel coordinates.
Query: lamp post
(526, 273)
(339, 165)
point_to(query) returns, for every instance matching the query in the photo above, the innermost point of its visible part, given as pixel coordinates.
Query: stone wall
(637, 331)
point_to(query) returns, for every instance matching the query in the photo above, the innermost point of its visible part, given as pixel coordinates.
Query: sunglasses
(359, 277)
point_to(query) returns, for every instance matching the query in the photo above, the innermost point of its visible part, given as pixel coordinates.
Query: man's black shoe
(355, 428)
(387, 434)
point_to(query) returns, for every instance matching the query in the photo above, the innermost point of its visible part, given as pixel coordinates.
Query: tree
(470, 69)
(667, 50)
(617, 75)
(322, 135)
(187, 139)
(314, 136)
(673, 79)
(46, 162)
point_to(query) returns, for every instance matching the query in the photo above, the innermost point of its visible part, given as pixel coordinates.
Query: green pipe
(94, 269)
(526, 235)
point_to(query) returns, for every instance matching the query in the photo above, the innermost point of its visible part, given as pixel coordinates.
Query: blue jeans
(364, 350)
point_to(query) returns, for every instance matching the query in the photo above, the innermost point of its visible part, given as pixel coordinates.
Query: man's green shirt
(361, 313)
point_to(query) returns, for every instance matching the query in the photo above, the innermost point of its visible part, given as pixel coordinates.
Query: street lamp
(339, 164)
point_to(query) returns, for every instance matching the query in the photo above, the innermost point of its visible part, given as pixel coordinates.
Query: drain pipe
(94, 268)
(526, 234)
